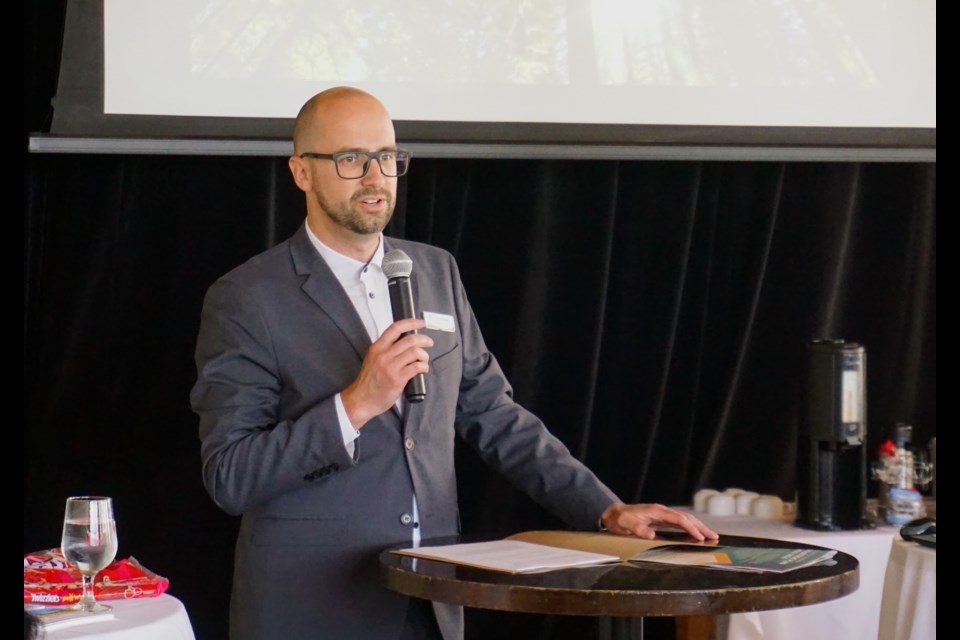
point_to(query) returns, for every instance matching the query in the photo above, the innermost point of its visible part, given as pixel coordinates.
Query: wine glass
(89, 542)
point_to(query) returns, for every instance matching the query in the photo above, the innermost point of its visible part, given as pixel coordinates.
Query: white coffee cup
(767, 506)
(744, 500)
(700, 499)
(721, 504)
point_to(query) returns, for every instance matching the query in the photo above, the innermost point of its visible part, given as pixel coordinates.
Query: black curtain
(653, 313)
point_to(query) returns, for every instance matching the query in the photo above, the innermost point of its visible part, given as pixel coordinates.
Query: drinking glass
(89, 542)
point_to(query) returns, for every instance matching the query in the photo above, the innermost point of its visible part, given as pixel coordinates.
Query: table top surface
(622, 589)
(160, 617)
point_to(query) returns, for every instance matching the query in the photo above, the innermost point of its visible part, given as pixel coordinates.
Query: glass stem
(87, 600)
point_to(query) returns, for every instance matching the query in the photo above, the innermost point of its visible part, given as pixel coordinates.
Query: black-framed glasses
(353, 165)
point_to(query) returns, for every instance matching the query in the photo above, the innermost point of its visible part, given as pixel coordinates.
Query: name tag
(439, 321)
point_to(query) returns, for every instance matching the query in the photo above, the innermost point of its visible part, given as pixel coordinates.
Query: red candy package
(48, 579)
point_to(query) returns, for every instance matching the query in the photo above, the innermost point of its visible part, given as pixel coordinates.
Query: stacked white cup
(737, 501)
(769, 507)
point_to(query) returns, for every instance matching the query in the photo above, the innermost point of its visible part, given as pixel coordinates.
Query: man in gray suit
(303, 423)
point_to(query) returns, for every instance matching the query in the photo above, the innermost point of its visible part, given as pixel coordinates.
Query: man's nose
(374, 174)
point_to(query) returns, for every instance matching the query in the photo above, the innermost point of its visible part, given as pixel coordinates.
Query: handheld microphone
(398, 266)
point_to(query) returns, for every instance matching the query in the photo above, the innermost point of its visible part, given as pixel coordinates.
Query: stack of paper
(758, 559)
(534, 551)
(62, 617)
(512, 556)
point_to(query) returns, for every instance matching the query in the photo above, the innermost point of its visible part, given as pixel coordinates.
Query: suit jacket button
(409, 444)
(406, 518)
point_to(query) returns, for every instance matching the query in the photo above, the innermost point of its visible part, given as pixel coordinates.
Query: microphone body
(397, 267)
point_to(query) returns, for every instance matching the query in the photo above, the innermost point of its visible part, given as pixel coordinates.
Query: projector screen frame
(80, 126)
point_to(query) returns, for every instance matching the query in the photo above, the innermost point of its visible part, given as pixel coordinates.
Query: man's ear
(301, 176)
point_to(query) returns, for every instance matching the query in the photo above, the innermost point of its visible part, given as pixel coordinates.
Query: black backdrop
(653, 313)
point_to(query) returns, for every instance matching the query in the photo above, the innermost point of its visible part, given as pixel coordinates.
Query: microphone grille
(396, 264)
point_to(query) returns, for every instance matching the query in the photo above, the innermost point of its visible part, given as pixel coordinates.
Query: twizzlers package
(48, 579)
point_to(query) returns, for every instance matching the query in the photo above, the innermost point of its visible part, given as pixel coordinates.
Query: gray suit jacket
(278, 339)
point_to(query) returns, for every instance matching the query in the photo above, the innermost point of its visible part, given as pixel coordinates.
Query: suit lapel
(325, 290)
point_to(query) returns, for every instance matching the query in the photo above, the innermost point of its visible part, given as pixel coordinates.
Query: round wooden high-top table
(626, 589)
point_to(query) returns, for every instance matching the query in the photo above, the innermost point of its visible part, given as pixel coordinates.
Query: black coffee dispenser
(831, 451)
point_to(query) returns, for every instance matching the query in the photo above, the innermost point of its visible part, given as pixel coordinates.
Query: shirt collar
(346, 269)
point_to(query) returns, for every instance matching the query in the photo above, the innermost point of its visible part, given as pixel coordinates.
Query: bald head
(325, 112)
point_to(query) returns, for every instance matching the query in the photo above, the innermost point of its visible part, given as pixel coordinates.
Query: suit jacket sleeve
(250, 451)
(514, 441)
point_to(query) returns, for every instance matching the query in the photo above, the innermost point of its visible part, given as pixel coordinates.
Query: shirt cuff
(346, 428)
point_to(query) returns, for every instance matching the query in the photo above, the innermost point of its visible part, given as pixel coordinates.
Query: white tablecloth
(909, 607)
(160, 618)
(855, 616)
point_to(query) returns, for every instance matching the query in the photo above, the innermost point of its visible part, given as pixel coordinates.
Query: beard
(348, 215)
